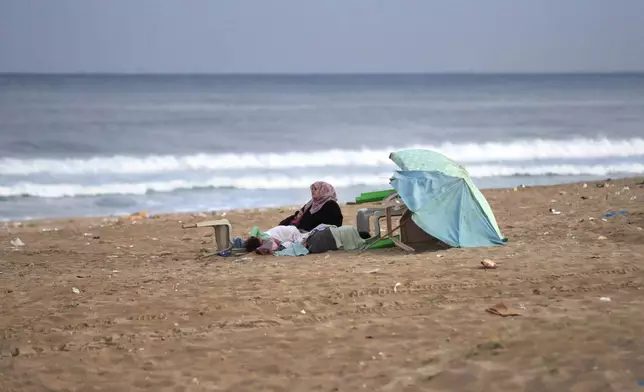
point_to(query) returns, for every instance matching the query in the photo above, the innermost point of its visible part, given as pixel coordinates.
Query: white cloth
(286, 235)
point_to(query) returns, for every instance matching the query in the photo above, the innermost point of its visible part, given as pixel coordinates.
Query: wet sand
(150, 315)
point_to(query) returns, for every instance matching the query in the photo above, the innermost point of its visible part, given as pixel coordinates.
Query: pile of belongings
(289, 241)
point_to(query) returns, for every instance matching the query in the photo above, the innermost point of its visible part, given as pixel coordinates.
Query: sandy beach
(117, 305)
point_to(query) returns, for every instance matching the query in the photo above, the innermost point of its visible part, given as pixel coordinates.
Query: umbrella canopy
(443, 200)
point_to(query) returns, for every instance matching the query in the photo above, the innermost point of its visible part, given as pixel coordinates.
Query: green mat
(384, 243)
(370, 197)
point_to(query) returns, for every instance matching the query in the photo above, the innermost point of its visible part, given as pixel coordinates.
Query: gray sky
(177, 36)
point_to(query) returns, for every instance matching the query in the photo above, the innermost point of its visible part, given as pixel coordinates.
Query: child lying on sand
(321, 239)
(278, 236)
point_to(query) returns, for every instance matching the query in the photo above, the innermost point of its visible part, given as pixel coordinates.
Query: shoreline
(235, 211)
(35, 208)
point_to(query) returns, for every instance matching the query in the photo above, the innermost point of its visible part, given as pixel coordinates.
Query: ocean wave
(288, 182)
(519, 150)
(483, 171)
(255, 183)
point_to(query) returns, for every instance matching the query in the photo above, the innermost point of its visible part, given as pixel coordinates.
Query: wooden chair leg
(395, 241)
(402, 246)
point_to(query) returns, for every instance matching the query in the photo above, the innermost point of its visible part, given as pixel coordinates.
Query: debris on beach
(136, 216)
(605, 299)
(373, 271)
(614, 213)
(601, 238)
(396, 287)
(487, 263)
(554, 212)
(17, 242)
(75, 290)
(502, 310)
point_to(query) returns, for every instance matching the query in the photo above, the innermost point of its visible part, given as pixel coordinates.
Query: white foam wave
(264, 182)
(482, 171)
(289, 182)
(520, 150)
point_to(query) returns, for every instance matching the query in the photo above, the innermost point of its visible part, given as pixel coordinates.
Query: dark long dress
(329, 214)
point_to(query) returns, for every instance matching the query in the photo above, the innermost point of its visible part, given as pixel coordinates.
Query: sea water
(82, 145)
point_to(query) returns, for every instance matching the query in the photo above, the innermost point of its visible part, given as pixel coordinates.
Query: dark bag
(321, 241)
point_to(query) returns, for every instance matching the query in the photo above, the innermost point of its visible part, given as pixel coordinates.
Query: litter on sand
(140, 215)
(502, 310)
(17, 242)
(487, 263)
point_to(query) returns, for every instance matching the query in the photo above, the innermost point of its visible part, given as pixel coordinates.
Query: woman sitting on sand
(323, 208)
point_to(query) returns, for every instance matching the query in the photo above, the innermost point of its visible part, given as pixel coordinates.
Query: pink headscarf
(325, 192)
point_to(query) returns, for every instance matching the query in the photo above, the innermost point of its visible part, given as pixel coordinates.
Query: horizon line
(364, 73)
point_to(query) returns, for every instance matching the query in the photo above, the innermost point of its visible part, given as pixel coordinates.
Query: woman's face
(315, 192)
